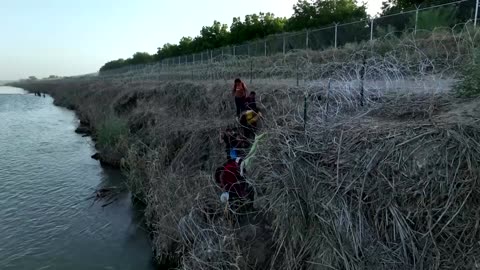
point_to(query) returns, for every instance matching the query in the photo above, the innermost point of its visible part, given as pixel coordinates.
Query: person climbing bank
(249, 122)
(229, 138)
(240, 93)
(231, 179)
(250, 102)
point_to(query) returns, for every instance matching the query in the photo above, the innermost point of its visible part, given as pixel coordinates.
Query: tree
(433, 18)
(186, 45)
(255, 26)
(396, 6)
(113, 65)
(428, 19)
(32, 78)
(210, 37)
(140, 58)
(307, 14)
(318, 13)
(168, 50)
(213, 36)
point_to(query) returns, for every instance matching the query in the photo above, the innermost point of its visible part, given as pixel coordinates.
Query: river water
(47, 220)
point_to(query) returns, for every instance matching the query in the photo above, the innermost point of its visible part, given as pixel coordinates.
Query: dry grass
(376, 189)
(442, 52)
(368, 164)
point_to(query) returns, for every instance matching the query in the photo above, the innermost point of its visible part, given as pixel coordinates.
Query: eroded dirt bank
(390, 184)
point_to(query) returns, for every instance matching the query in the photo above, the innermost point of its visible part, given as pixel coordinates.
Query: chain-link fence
(445, 15)
(415, 21)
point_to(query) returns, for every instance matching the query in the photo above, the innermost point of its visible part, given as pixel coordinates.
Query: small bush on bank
(470, 85)
(111, 131)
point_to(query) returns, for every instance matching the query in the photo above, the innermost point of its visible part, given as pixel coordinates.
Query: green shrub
(434, 18)
(470, 85)
(111, 131)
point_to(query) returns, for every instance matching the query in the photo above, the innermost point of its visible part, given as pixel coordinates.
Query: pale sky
(72, 37)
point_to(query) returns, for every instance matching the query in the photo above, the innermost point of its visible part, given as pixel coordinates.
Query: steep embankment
(166, 138)
(371, 164)
(390, 184)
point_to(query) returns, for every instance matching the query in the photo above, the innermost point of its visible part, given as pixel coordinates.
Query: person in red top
(230, 179)
(240, 93)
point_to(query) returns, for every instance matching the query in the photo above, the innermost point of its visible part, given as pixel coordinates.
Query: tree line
(307, 14)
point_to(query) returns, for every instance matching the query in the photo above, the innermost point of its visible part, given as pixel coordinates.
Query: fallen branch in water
(108, 194)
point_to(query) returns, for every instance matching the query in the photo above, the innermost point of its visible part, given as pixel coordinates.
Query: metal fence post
(327, 98)
(265, 46)
(296, 67)
(284, 44)
(371, 29)
(363, 72)
(306, 41)
(186, 60)
(193, 56)
(416, 20)
(476, 14)
(251, 71)
(211, 56)
(234, 51)
(305, 95)
(336, 33)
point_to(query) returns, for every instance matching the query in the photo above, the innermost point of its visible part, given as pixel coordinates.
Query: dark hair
(237, 80)
(252, 93)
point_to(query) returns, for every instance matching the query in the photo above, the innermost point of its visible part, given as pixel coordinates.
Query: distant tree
(428, 19)
(185, 45)
(307, 14)
(140, 58)
(318, 13)
(396, 6)
(255, 26)
(32, 78)
(113, 65)
(213, 36)
(210, 37)
(168, 50)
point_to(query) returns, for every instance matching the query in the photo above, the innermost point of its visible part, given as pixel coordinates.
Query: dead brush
(371, 192)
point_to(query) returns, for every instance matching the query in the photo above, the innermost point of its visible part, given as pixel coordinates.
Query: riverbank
(165, 136)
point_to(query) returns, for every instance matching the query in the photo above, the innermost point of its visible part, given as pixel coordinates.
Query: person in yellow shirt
(249, 120)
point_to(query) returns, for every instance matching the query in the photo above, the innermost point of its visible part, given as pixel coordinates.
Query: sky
(66, 37)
